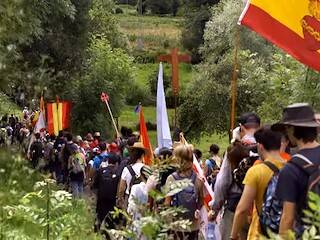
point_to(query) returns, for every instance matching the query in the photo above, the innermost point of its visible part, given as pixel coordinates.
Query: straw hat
(139, 145)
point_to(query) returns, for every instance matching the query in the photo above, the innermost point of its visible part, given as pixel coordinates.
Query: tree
(44, 43)
(108, 70)
(158, 7)
(268, 79)
(196, 15)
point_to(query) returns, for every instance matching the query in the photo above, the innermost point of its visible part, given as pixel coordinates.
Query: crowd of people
(260, 184)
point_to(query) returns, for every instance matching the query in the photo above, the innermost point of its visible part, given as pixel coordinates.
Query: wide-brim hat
(298, 115)
(139, 145)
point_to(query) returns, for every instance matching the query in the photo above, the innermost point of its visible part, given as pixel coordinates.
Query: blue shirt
(98, 160)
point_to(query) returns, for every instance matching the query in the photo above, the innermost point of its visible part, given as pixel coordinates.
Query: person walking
(300, 125)
(190, 198)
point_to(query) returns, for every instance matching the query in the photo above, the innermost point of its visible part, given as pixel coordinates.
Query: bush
(139, 94)
(130, 2)
(119, 10)
(159, 7)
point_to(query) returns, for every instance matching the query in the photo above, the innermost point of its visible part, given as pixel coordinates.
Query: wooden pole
(112, 118)
(234, 84)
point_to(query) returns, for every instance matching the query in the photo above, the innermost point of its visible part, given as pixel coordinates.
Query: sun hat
(97, 134)
(298, 115)
(139, 145)
(113, 148)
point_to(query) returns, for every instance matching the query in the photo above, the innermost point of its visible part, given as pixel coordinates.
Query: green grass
(142, 73)
(6, 106)
(156, 32)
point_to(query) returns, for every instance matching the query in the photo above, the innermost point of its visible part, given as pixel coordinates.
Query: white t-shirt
(126, 175)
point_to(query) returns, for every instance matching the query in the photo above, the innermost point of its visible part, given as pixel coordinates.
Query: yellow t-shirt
(258, 177)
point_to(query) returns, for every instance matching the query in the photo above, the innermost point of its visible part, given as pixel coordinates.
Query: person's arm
(222, 185)
(121, 193)
(287, 218)
(240, 217)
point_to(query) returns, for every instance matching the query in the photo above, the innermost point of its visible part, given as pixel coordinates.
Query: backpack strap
(270, 165)
(133, 175)
(303, 163)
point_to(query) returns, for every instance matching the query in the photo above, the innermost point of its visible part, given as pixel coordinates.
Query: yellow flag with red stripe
(293, 25)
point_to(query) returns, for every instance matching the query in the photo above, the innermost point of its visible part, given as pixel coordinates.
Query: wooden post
(234, 84)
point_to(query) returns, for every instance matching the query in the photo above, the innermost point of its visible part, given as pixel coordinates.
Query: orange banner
(144, 138)
(292, 25)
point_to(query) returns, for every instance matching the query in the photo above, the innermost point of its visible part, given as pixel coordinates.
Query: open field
(156, 32)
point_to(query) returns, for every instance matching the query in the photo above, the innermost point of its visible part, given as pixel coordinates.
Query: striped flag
(144, 138)
(292, 25)
(58, 116)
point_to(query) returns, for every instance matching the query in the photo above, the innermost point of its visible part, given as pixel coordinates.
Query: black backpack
(107, 183)
(136, 179)
(312, 170)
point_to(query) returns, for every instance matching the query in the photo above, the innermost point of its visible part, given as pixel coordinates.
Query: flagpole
(105, 100)
(234, 84)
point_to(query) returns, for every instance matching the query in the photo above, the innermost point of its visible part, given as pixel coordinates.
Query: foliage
(155, 224)
(196, 15)
(7, 106)
(312, 218)
(108, 70)
(103, 24)
(36, 46)
(29, 208)
(47, 213)
(159, 7)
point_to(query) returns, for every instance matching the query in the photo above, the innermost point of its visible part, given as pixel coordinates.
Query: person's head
(145, 173)
(68, 137)
(268, 142)
(60, 135)
(303, 135)
(102, 146)
(249, 123)
(165, 153)
(131, 141)
(236, 153)
(113, 148)
(97, 136)
(197, 153)
(183, 155)
(299, 124)
(37, 136)
(113, 159)
(214, 149)
(137, 152)
(78, 140)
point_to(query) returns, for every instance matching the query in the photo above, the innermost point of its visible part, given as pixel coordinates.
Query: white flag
(163, 129)
(40, 123)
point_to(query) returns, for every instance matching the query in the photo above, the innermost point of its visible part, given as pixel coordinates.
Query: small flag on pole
(144, 138)
(58, 116)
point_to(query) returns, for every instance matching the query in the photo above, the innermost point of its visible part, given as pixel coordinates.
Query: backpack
(108, 183)
(187, 198)
(240, 172)
(76, 163)
(312, 170)
(271, 211)
(135, 179)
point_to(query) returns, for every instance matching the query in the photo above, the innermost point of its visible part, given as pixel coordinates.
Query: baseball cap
(249, 119)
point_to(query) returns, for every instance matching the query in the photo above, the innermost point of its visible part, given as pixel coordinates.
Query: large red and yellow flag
(292, 25)
(144, 138)
(58, 116)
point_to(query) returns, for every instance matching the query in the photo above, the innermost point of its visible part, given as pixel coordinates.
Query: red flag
(144, 138)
